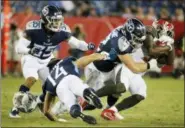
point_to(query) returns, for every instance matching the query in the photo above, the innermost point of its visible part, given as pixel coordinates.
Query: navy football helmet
(52, 18)
(137, 32)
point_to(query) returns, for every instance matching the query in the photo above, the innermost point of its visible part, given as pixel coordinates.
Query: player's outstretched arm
(85, 60)
(137, 67)
(80, 44)
(47, 104)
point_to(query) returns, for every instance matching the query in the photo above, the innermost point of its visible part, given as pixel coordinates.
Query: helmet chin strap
(52, 29)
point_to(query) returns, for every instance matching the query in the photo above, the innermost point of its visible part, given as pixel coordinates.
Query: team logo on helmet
(130, 26)
(45, 11)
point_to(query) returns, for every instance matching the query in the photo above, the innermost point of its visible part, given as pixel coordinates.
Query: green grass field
(164, 106)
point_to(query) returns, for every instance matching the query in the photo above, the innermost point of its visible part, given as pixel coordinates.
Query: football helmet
(52, 18)
(137, 32)
(163, 28)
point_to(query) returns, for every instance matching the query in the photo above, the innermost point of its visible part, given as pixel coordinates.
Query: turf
(164, 106)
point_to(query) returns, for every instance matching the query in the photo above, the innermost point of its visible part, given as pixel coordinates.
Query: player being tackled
(63, 81)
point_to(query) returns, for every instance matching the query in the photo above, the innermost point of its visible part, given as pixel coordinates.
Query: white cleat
(14, 113)
(11, 115)
(119, 116)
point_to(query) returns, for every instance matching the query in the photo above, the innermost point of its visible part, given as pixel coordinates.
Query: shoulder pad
(34, 24)
(123, 44)
(65, 28)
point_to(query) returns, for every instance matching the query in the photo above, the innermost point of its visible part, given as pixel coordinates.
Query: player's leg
(79, 88)
(122, 84)
(29, 69)
(67, 97)
(138, 90)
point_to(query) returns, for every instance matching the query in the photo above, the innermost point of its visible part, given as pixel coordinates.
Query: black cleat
(88, 119)
(92, 98)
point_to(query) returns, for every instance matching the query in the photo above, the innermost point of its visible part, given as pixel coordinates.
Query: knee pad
(75, 111)
(120, 88)
(139, 97)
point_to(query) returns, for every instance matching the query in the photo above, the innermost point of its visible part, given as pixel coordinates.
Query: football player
(158, 44)
(40, 39)
(63, 81)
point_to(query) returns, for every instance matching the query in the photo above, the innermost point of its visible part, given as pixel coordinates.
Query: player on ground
(63, 81)
(158, 44)
(40, 39)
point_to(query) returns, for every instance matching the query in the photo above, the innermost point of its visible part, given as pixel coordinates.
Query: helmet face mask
(137, 31)
(163, 28)
(52, 18)
(54, 23)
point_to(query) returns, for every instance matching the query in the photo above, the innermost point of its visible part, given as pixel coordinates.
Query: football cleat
(14, 114)
(92, 98)
(88, 119)
(109, 114)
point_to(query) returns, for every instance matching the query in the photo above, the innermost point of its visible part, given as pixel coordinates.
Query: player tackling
(159, 45)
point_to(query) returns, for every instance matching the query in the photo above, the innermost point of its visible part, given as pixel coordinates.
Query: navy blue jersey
(44, 42)
(62, 69)
(117, 39)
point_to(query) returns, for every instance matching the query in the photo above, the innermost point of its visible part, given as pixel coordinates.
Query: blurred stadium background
(92, 21)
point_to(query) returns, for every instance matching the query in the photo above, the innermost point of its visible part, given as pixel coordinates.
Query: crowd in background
(148, 9)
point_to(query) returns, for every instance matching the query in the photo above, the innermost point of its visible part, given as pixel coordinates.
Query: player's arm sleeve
(171, 56)
(123, 46)
(22, 46)
(47, 103)
(136, 67)
(78, 44)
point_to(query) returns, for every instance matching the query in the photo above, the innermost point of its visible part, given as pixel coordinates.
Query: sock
(23, 88)
(75, 111)
(111, 100)
(128, 102)
(114, 109)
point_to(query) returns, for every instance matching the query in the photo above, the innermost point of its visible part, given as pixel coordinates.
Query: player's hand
(91, 46)
(153, 64)
(170, 46)
(34, 50)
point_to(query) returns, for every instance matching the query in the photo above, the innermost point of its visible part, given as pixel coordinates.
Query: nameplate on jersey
(123, 44)
(34, 24)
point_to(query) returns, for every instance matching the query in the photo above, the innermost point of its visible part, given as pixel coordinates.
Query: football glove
(91, 46)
